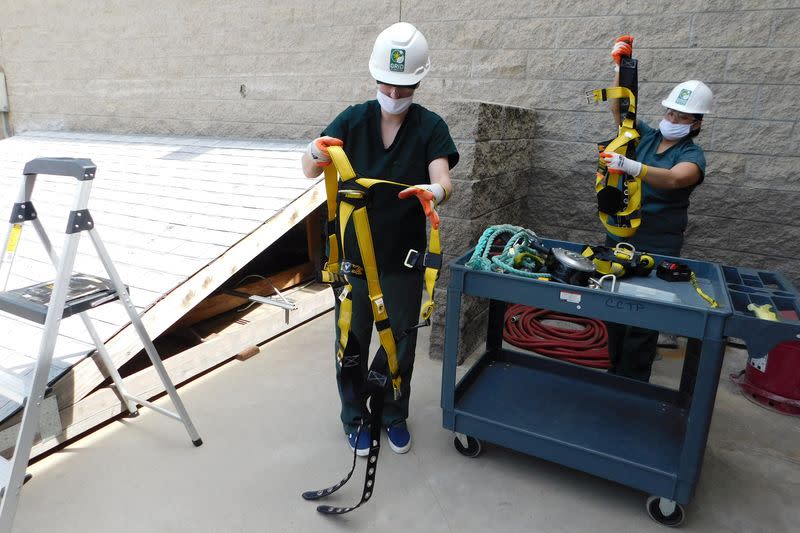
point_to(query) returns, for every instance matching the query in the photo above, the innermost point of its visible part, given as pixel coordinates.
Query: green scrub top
(397, 225)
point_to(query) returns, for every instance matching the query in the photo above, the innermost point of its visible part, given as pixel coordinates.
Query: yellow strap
(345, 319)
(342, 164)
(431, 275)
(367, 249)
(347, 211)
(331, 186)
(13, 240)
(711, 301)
(627, 133)
(601, 95)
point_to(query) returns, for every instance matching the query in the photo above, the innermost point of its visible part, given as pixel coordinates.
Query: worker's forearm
(671, 178)
(614, 102)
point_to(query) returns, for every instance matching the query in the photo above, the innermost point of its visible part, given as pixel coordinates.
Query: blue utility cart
(645, 436)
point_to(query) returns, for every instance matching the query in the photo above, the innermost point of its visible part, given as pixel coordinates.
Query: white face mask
(673, 132)
(394, 106)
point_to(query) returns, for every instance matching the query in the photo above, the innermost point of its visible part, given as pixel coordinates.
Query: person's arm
(316, 156)
(683, 174)
(623, 47)
(439, 171)
(434, 194)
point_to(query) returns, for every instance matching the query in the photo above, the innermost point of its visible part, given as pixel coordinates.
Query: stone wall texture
(492, 179)
(283, 69)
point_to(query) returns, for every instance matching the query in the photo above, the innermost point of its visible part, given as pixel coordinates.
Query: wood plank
(85, 375)
(217, 304)
(263, 323)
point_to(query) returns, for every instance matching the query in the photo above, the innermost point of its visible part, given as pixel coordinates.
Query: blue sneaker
(399, 438)
(362, 446)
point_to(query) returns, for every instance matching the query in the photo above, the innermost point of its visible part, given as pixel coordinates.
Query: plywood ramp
(179, 216)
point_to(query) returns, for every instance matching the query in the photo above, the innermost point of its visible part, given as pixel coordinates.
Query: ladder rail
(33, 403)
(10, 247)
(12, 472)
(138, 325)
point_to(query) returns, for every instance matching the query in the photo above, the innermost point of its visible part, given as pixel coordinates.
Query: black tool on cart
(673, 271)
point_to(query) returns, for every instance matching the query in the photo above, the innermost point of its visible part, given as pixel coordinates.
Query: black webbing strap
(370, 390)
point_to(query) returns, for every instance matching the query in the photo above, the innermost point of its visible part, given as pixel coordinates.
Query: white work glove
(318, 150)
(429, 196)
(619, 164)
(439, 194)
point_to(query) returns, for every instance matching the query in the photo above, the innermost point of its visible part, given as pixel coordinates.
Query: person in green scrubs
(390, 138)
(670, 166)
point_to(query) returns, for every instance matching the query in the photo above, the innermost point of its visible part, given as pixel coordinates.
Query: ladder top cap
(81, 169)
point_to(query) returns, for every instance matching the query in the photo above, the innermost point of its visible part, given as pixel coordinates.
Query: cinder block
(711, 30)
(778, 101)
(773, 138)
(777, 173)
(499, 63)
(418, 11)
(736, 101)
(765, 66)
(784, 29)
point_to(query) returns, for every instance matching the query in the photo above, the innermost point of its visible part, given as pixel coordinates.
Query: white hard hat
(400, 55)
(690, 97)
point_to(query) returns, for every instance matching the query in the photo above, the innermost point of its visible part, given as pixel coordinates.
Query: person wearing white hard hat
(395, 139)
(670, 166)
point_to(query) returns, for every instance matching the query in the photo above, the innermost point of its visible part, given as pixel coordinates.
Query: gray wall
(284, 68)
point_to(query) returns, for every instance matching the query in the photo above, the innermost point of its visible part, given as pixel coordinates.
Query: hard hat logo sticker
(683, 96)
(397, 60)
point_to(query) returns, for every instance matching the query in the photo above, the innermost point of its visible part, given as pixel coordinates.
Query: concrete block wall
(284, 68)
(491, 181)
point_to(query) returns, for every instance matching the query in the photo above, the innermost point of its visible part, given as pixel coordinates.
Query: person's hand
(438, 191)
(619, 164)
(427, 196)
(318, 150)
(623, 46)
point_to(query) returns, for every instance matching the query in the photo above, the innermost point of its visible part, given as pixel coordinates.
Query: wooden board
(179, 217)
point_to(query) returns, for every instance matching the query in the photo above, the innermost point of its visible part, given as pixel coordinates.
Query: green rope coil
(519, 257)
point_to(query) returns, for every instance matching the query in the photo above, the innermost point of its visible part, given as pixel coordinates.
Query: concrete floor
(270, 427)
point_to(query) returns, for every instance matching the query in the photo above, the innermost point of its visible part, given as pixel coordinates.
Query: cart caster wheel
(665, 512)
(472, 448)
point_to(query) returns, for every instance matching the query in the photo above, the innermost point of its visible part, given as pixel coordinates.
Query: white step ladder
(48, 303)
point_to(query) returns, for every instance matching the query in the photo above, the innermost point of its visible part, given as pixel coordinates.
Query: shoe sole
(399, 449)
(362, 452)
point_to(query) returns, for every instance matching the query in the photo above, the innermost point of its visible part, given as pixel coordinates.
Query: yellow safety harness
(619, 196)
(620, 261)
(351, 203)
(348, 200)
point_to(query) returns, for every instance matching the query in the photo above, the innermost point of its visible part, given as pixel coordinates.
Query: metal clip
(411, 258)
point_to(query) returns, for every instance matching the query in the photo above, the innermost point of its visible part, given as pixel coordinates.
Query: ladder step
(13, 387)
(85, 292)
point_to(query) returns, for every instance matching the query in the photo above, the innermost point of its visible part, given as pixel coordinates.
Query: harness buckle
(424, 324)
(411, 258)
(356, 197)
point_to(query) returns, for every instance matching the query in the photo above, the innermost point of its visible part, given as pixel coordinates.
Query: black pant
(632, 350)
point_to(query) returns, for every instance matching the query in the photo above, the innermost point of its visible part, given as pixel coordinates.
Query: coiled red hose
(587, 346)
